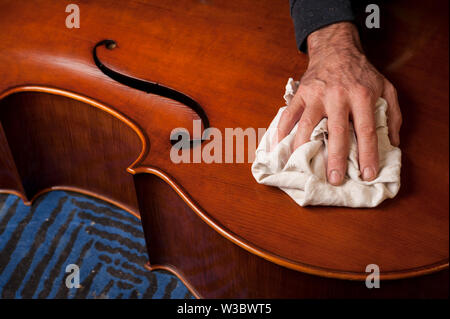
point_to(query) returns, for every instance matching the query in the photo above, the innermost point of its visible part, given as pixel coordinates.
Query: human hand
(341, 84)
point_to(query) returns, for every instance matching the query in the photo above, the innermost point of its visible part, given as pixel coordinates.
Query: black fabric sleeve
(310, 15)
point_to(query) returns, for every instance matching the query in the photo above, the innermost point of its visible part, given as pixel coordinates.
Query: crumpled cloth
(302, 173)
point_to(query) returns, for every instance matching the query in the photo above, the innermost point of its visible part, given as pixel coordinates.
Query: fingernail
(368, 173)
(334, 177)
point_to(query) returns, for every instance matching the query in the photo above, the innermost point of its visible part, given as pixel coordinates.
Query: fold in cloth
(302, 173)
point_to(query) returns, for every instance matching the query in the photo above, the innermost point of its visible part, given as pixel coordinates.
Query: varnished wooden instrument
(95, 117)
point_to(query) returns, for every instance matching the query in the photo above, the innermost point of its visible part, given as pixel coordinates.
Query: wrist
(335, 38)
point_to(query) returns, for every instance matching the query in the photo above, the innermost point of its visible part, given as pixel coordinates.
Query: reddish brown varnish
(65, 125)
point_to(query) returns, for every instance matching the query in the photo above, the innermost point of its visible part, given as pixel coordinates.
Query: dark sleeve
(310, 15)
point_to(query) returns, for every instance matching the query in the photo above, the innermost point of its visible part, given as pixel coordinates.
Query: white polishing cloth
(302, 173)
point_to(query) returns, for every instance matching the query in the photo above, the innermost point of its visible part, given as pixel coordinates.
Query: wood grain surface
(234, 58)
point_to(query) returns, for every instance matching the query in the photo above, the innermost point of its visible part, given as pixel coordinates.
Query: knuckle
(363, 93)
(313, 92)
(338, 129)
(296, 102)
(394, 92)
(379, 79)
(289, 114)
(338, 91)
(303, 87)
(312, 95)
(388, 86)
(336, 159)
(366, 130)
(306, 121)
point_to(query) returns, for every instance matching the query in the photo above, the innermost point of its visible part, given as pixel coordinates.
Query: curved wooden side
(62, 140)
(9, 178)
(184, 244)
(242, 72)
(52, 169)
(261, 252)
(177, 273)
(42, 89)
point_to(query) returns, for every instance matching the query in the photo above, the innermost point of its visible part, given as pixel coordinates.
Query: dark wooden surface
(90, 148)
(234, 57)
(216, 268)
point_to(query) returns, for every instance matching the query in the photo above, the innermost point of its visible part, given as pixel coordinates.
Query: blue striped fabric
(63, 228)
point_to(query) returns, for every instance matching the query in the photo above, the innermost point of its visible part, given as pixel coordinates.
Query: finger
(310, 117)
(366, 135)
(337, 145)
(394, 115)
(288, 118)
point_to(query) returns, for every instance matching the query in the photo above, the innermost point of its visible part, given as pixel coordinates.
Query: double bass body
(65, 123)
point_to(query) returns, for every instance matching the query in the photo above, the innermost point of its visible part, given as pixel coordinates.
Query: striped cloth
(63, 228)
